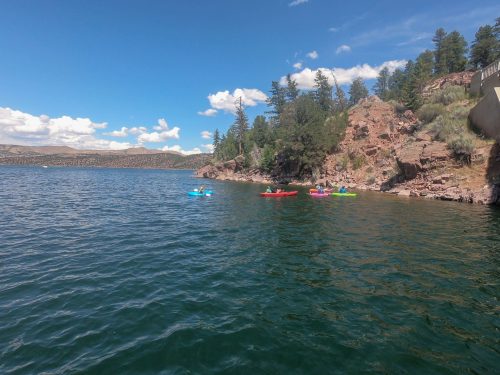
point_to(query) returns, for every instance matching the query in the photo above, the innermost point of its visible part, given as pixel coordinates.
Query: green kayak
(344, 194)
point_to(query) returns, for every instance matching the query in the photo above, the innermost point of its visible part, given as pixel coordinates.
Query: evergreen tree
(357, 91)
(216, 142)
(323, 93)
(485, 47)
(240, 126)
(396, 85)
(260, 131)
(381, 87)
(276, 100)
(340, 103)
(411, 97)
(456, 48)
(292, 92)
(496, 29)
(440, 53)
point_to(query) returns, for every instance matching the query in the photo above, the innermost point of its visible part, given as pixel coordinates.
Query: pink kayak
(319, 195)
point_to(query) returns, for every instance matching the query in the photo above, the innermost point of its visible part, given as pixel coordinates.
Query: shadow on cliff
(493, 172)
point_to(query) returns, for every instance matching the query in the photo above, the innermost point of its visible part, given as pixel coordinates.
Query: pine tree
(456, 48)
(240, 126)
(485, 47)
(276, 100)
(292, 92)
(216, 142)
(260, 131)
(323, 93)
(440, 53)
(381, 87)
(357, 91)
(340, 103)
(396, 85)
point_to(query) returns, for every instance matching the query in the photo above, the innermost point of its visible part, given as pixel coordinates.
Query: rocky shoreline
(385, 150)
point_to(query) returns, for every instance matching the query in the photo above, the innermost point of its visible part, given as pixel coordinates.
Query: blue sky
(114, 74)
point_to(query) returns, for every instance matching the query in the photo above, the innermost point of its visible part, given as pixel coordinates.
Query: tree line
(449, 56)
(302, 127)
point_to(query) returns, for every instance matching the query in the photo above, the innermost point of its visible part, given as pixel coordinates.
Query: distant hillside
(70, 157)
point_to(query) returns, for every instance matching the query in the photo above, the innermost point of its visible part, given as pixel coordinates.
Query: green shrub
(358, 161)
(370, 180)
(267, 160)
(449, 95)
(428, 112)
(344, 162)
(462, 144)
(398, 107)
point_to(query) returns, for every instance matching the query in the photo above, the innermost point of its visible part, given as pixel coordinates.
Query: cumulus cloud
(161, 133)
(297, 65)
(22, 128)
(137, 130)
(305, 78)
(343, 48)
(226, 101)
(297, 2)
(313, 55)
(209, 112)
(208, 147)
(206, 134)
(179, 149)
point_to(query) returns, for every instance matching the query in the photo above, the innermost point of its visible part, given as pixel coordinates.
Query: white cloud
(208, 147)
(162, 125)
(305, 78)
(343, 48)
(206, 134)
(224, 100)
(313, 55)
(161, 134)
(333, 29)
(122, 133)
(137, 130)
(297, 65)
(297, 2)
(209, 112)
(177, 148)
(21, 128)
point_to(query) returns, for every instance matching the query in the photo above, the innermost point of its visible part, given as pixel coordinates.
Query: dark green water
(120, 272)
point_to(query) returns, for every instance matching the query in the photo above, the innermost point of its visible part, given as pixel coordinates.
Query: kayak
(207, 193)
(316, 190)
(319, 195)
(344, 194)
(282, 194)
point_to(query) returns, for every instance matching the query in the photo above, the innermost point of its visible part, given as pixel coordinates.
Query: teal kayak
(207, 193)
(344, 194)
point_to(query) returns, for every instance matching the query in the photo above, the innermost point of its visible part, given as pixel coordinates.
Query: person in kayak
(201, 189)
(269, 190)
(320, 189)
(343, 189)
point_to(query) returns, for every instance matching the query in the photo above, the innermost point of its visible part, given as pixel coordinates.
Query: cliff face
(384, 151)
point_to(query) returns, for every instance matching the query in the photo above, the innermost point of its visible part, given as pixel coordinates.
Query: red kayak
(282, 194)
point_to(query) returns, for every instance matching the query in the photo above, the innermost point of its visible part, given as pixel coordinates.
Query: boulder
(408, 160)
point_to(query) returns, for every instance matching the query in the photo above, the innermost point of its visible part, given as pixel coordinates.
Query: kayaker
(201, 189)
(269, 190)
(320, 189)
(343, 189)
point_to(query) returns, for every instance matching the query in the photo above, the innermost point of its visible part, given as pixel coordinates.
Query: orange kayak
(281, 194)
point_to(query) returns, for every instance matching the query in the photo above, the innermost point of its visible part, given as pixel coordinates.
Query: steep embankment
(69, 157)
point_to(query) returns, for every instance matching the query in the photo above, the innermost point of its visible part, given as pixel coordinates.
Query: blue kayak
(207, 193)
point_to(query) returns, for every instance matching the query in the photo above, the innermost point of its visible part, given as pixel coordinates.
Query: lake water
(107, 271)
